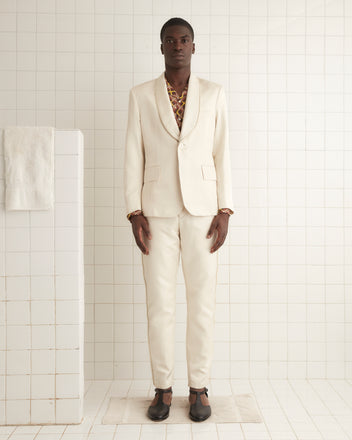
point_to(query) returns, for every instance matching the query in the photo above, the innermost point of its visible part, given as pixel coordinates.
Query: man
(178, 198)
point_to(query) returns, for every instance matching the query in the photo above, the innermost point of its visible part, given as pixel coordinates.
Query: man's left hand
(219, 224)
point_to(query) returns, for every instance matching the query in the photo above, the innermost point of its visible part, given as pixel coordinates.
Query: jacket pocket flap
(151, 173)
(209, 172)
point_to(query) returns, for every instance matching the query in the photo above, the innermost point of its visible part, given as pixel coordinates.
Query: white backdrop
(284, 300)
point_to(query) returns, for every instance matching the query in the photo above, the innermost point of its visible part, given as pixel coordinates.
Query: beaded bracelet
(132, 214)
(225, 211)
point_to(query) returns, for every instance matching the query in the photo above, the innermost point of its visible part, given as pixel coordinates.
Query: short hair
(176, 21)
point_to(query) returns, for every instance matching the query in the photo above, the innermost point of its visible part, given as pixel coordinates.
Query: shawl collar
(165, 110)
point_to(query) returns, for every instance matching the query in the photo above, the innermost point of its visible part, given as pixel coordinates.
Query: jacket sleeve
(134, 158)
(221, 154)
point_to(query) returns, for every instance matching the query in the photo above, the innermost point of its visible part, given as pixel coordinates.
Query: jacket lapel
(166, 113)
(191, 114)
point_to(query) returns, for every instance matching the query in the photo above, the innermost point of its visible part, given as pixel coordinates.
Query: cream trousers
(184, 234)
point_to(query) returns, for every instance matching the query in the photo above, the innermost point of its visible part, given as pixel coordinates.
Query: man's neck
(178, 78)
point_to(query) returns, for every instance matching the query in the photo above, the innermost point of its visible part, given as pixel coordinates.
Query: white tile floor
(291, 409)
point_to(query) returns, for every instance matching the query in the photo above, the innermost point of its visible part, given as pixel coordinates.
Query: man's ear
(194, 48)
(161, 48)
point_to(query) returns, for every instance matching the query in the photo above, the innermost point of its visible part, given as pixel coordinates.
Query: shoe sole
(196, 419)
(159, 419)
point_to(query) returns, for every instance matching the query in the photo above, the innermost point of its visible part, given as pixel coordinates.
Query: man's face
(177, 46)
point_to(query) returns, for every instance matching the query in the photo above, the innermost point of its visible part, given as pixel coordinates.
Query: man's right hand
(139, 225)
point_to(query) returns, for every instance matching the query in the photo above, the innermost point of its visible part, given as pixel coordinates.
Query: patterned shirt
(178, 103)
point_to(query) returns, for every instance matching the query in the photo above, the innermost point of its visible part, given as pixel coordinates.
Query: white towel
(29, 168)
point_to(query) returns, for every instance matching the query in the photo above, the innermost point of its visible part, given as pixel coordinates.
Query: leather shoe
(160, 411)
(199, 412)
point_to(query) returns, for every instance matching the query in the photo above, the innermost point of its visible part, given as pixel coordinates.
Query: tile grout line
(30, 253)
(286, 196)
(134, 250)
(94, 200)
(5, 250)
(303, 406)
(267, 189)
(229, 227)
(305, 195)
(55, 262)
(324, 213)
(282, 408)
(310, 381)
(114, 219)
(344, 111)
(259, 407)
(248, 211)
(99, 408)
(329, 381)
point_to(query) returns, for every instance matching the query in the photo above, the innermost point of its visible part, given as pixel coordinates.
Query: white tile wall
(284, 304)
(41, 302)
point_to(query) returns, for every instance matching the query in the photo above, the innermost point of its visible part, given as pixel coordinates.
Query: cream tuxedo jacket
(165, 168)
